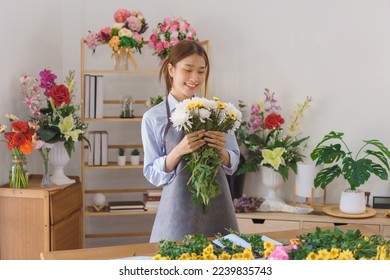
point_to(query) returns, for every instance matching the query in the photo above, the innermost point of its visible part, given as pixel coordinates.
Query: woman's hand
(190, 143)
(217, 140)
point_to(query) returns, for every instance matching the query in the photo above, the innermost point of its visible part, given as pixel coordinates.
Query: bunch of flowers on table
(123, 36)
(320, 244)
(51, 108)
(21, 140)
(265, 140)
(168, 33)
(195, 114)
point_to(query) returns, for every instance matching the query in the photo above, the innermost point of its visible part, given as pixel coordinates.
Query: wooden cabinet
(38, 219)
(258, 222)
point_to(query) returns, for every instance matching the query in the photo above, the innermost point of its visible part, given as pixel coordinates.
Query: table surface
(149, 249)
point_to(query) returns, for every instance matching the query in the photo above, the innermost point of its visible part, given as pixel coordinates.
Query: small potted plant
(121, 157)
(135, 157)
(356, 170)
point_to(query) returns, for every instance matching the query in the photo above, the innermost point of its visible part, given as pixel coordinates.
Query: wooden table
(149, 249)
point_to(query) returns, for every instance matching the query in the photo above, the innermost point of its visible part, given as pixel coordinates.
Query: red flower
(60, 94)
(19, 126)
(273, 121)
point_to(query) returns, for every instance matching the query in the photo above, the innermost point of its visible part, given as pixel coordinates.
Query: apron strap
(169, 123)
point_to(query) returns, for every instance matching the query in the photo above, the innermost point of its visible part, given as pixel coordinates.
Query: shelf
(135, 146)
(117, 190)
(116, 235)
(121, 71)
(90, 211)
(114, 165)
(114, 119)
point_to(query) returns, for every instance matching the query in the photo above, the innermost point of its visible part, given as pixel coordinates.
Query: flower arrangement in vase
(195, 114)
(168, 33)
(124, 37)
(266, 142)
(21, 140)
(51, 108)
(356, 170)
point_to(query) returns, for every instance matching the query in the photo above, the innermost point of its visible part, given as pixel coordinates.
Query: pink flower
(137, 37)
(184, 27)
(153, 38)
(168, 20)
(159, 47)
(166, 45)
(163, 27)
(92, 40)
(134, 23)
(121, 15)
(38, 144)
(104, 34)
(174, 26)
(281, 252)
(174, 41)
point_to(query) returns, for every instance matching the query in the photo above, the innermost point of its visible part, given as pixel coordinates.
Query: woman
(185, 71)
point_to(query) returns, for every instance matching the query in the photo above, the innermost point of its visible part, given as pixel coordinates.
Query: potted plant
(269, 147)
(356, 170)
(121, 160)
(135, 157)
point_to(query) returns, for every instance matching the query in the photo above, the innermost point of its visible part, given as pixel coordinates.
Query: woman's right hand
(190, 143)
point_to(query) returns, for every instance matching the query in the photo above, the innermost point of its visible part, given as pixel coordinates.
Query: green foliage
(121, 151)
(355, 170)
(135, 152)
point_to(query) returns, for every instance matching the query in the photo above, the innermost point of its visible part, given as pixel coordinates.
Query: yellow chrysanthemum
(311, 256)
(221, 105)
(215, 98)
(269, 245)
(323, 254)
(208, 250)
(247, 254)
(346, 255)
(224, 256)
(334, 253)
(184, 257)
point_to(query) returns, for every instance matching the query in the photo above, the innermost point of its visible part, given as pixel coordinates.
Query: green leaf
(69, 147)
(327, 175)
(327, 154)
(379, 171)
(48, 134)
(380, 156)
(357, 172)
(331, 135)
(380, 146)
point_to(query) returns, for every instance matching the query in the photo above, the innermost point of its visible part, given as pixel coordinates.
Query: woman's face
(188, 76)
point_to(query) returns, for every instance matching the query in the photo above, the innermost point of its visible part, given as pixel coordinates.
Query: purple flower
(47, 80)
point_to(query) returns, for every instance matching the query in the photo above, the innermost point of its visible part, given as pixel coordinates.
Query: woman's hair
(178, 52)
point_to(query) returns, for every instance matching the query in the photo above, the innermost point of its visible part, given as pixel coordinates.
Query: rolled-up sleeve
(234, 153)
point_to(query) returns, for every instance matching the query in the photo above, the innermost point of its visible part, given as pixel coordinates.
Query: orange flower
(26, 148)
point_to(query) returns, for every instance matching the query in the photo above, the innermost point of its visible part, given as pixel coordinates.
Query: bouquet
(50, 107)
(200, 113)
(265, 140)
(168, 33)
(153, 101)
(21, 140)
(124, 36)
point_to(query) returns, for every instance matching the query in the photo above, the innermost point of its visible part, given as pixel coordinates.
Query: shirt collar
(172, 102)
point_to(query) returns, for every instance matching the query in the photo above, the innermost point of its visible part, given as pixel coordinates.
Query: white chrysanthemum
(204, 114)
(210, 104)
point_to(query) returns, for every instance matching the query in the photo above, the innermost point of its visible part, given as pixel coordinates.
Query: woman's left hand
(217, 140)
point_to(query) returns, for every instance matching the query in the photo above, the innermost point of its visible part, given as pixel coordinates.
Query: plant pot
(352, 202)
(272, 181)
(121, 160)
(134, 160)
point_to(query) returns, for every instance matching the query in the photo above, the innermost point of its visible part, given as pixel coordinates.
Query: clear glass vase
(46, 180)
(121, 60)
(18, 177)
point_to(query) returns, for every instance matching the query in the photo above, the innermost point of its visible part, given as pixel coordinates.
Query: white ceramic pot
(135, 160)
(59, 158)
(121, 160)
(352, 202)
(272, 181)
(304, 180)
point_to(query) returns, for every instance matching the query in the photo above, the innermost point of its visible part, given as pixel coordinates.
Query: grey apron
(177, 216)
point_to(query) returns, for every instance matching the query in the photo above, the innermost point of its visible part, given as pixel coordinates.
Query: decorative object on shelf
(59, 158)
(304, 183)
(355, 170)
(121, 160)
(272, 180)
(135, 157)
(247, 203)
(45, 151)
(192, 115)
(99, 201)
(168, 33)
(264, 140)
(124, 38)
(153, 101)
(21, 140)
(127, 107)
(334, 210)
(60, 120)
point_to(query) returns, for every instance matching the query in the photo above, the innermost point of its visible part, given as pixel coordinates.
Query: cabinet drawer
(386, 231)
(312, 225)
(249, 226)
(66, 234)
(65, 202)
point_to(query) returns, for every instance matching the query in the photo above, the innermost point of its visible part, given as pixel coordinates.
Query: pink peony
(104, 34)
(159, 47)
(167, 21)
(92, 40)
(174, 41)
(166, 45)
(121, 15)
(134, 23)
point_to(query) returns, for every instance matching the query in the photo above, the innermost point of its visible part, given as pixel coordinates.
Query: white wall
(336, 51)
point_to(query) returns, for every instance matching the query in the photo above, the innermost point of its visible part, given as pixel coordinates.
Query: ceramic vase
(58, 159)
(272, 181)
(352, 202)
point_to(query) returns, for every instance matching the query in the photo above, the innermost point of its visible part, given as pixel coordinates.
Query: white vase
(121, 160)
(304, 180)
(352, 202)
(58, 159)
(272, 181)
(135, 160)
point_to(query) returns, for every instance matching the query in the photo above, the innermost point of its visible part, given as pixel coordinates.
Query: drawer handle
(340, 224)
(258, 221)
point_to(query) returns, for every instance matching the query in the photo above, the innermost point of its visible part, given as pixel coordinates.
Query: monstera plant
(372, 158)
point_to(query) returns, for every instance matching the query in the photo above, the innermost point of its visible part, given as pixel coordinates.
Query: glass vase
(121, 60)
(46, 181)
(18, 178)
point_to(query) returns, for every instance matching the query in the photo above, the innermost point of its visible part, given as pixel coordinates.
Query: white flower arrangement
(195, 114)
